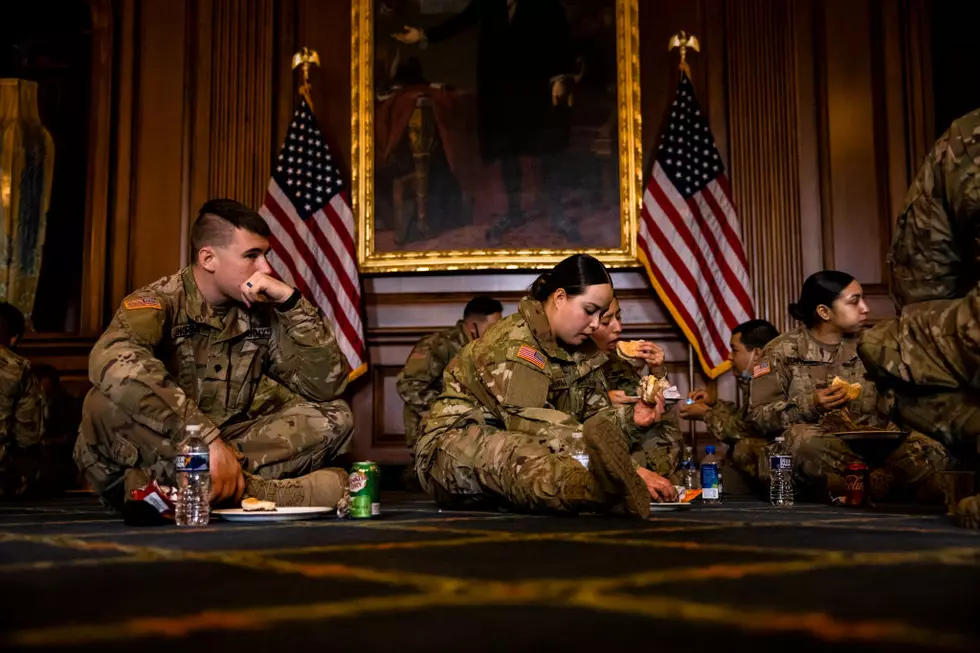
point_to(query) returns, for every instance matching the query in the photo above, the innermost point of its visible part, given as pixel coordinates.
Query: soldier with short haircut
(727, 421)
(420, 381)
(194, 348)
(926, 362)
(22, 410)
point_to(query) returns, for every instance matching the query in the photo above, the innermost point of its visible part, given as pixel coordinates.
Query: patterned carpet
(742, 576)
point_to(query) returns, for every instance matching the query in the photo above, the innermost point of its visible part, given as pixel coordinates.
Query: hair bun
(541, 287)
(796, 313)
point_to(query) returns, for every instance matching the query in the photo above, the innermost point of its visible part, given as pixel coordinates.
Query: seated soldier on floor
(724, 420)
(420, 381)
(793, 394)
(659, 446)
(193, 348)
(926, 362)
(22, 410)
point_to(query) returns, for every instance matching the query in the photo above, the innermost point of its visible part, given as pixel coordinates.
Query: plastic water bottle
(710, 477)
(578, 451)
(193, 480)
(689, 470)
(780, 474)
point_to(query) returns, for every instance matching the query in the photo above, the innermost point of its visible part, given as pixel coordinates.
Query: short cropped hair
(217, 221)
(11, 320)
(756, 334)
(482, 306)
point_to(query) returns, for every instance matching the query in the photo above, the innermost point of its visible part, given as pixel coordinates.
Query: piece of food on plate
(853, 389)
(630, 348)
(256, 505)
(651, 386)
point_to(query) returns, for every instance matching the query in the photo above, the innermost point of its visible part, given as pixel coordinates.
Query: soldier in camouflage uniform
(658, 447)
(727, 421)
(521, 400)
(926, 362)
(420, 381)
(22, 410)
(790, 395)
(206, 346)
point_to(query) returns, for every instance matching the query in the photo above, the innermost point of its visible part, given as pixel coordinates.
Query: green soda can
(365, 490)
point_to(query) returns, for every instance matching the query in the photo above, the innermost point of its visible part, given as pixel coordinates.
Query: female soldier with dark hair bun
(792, 394)
(521, 400)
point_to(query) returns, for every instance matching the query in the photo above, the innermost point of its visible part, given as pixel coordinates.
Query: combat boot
(967, 512)
(324, 487)
(610, 461)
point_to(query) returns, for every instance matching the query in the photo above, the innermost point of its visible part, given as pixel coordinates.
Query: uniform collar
(463, 335)
(587, 354)
(233, 323)
(813, 350)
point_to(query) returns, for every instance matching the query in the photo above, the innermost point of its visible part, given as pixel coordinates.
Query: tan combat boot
(324, 487)
(967, 513)
(610, 461)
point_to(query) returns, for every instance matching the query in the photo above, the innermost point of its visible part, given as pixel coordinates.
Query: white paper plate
(668, 507)
(280, 514)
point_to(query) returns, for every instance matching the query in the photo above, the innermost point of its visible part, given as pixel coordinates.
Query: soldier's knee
(330, 419)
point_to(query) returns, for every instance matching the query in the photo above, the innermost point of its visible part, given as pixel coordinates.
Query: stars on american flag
(687, 151)
(303, 169)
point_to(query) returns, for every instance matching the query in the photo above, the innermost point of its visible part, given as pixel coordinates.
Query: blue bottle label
(780, 463)
(709, 476)
(198, 462)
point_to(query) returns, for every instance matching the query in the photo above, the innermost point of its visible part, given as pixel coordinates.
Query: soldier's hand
(260, 287)
(695, 411)
(660, 488)
(652, 354)
(227, 480)
(620, 398)
(410, 36)
(701, 395)
(827, 399)
(645, 414)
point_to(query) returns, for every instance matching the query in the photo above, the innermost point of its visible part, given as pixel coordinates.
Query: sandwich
(853, 390)
(651, 386)
(256, 505)
(630, 348)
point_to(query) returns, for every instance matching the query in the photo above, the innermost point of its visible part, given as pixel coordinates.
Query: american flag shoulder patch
(532, 355)
(761, 370)
(134, 303)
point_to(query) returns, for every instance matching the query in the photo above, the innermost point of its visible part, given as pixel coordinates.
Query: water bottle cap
(193, 428)
(780, 439)
(710, 449)
(576, 436)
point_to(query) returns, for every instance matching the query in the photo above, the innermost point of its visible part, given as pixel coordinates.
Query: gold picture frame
(364, 96)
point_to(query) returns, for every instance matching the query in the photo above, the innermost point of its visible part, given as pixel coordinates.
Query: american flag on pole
(690, 238)
(313, 232)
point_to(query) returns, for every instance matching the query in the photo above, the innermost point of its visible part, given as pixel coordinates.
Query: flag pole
(303, 59)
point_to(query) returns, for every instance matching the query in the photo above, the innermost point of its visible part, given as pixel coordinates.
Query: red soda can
(854, 483)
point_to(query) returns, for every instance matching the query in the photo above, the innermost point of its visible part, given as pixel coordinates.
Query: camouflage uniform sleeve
(30, 412)
(659, 446)
(304, 355)
(925, 259)
(724, 421)
(419, 380)
(124, 367)
(770, 409)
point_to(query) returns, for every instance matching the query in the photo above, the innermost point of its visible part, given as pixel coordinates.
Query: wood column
(763, 147)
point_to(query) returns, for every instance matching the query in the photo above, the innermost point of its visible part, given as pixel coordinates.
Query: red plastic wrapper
(150, 505)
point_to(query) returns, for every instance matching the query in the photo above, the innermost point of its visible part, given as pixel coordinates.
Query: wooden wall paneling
(763, 141)
(160, 113)
(286, 43)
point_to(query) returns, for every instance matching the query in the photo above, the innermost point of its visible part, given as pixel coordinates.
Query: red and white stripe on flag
(313, 232)
(690, 238)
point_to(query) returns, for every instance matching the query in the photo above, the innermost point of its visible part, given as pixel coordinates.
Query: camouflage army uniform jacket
(420, 381)
(22, 404)
(788, 373)
(168, 359)
(935, 255)
(518, 378)
(727, 421)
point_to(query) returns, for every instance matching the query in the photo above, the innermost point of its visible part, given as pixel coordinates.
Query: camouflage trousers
(479, 464)
(950, 415)
(281, 440)
(750, 457)
(820, 459)
(659, 448)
